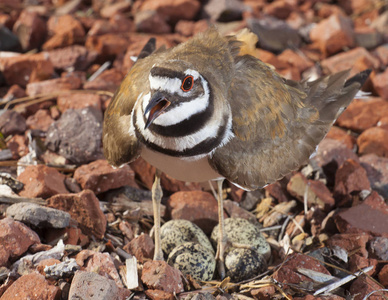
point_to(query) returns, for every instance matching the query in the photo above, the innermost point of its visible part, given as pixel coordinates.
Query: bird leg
(157, 194)
(222, 238)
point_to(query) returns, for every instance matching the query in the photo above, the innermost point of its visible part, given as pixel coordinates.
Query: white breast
(181, 169)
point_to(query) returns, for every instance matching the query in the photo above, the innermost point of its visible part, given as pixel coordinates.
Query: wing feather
(119, 142)
(277, 124)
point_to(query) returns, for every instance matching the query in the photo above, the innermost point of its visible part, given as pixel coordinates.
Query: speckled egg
(242, 264)
(244, 232)
(177, 232)
(193, 259)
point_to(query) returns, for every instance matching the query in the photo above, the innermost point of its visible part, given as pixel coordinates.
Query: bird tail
(330, 95)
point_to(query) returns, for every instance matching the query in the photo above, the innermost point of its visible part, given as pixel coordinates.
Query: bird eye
(187, 83)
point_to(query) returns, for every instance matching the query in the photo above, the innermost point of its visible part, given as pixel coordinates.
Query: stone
(278, 191)
(173, 185)
(377, 171)
(367, 37)
(144, 171)
(31, 30)
(271, 59)
(378, 248)
(108, 46)
(293, 59)
(333, 34)
(152, 22)
(291, 73)
(15, 239)
(349, 60)
(373, 140)
(199, 207)
(127, 230)
(41, 120)
(352, 242)
(101, 263)
(160, 276)
(40, 216)
(350, 178)
(365, 217)
(108, 80)
(316, 192)
(53, 86)
(336, 133)
(288, 272)
(100, 177)
(280, 9)
(383, 276)
(46, 263)
(224, 10)
(325, 10)
(381, 53)
(263, 293)
(111, 10)
(12, 123)
(324, 297)
(9, 41)
(142, 247)
(364, 285)
(274, 34)
(79, 100)
(185, 27)
(173, 10)
(159, 295)
(83, 207)
(90, 285)
(380, 84)
(354, 6)
(357, 262)
(363, 114)
(75, 56)
(32, 286)
(18, 146)
(330, 155)
(64, 31)
(65, 23)
(117, 23)
(77, 135)
(14, 92)
(234, 210)
(41, 181)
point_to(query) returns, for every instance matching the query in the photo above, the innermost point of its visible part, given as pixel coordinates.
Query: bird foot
(222, 246)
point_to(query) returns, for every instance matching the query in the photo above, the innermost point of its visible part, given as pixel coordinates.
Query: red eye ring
(187, 83)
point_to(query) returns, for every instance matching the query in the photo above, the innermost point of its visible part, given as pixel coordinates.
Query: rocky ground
(71, 226)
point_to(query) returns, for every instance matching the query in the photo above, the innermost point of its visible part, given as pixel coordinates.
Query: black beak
(157, 105)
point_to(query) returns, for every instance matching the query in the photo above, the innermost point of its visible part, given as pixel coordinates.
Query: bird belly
(181, 169)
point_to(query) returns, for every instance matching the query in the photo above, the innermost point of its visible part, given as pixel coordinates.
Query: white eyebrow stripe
(171, 85)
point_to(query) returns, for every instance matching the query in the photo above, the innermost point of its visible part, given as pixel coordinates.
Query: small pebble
(34, 214)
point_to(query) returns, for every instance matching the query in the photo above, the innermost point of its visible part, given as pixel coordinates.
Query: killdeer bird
(207, 110)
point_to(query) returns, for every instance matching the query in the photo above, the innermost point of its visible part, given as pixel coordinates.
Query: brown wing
(277, 123)
(120, 146)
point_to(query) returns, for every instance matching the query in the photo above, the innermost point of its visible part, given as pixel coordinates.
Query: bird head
(177, 91)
